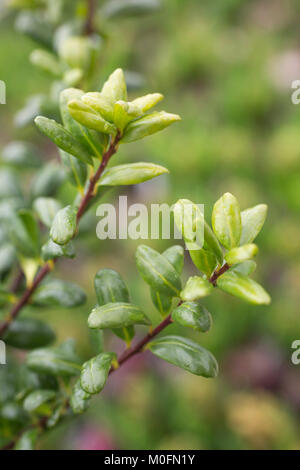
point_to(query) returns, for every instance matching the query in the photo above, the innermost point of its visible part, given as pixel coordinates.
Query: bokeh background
(226, 67)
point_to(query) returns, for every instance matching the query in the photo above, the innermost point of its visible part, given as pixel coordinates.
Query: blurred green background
(226, 67)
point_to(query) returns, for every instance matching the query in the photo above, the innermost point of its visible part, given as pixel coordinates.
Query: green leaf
(243, 287)
(28, 440)
(157, 271)
(120, 8)
(185, 354)
(36, 399)
(226, 220)
(246, 267)
(46, 61)
(21, 155)
(144, 103)
(24, 233)
(52, 250)
(241, 253)
(47, 181)
(162, 302)
(194, 315)
(80, 52)
(131, 173)
(64, 225)
(63, 138)
(100, 104)
(88, 118)
(148, 125)
(95, 372)
(191, 223)
(196, 288)
(59, 293)
(124, 113)
(253, 220)
(54, 361)
(204, 260)
(117, 315)
(110, 287)
(29, 333)
(79, 399)
(114, 89)
(175, 256)
(75, 169)
(46, 209)
(93, 142)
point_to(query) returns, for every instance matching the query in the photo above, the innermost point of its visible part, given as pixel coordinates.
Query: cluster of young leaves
(69, 47)
(226, 254)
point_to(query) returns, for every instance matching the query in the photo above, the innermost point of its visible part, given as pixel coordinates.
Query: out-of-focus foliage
(226, 67)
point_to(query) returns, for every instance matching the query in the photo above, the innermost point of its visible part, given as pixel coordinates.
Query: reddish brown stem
(24, 300)
(218, 273)
(128, 353)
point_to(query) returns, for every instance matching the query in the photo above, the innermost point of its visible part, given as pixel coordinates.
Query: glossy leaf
(29, 333)
(88, 118)
(110, 287)
(204, 260)
(117, 315)
(54, 361)
(175, 256)
(80, 399)
(243, 287)
(95, 372)
(194, 315)
(246, 267)
(226, 221)
(63, 138)
(75, 169)
(241, 253)
(91, 140)
(196, 288)
(46, 209)
(52, 250)
(144, 103)
(161, 301)
(186, 354)
(131, 173)
(191, 223)
(114, 89)
(59, 293)
(253, 220)
(64, 225)
(157, 271)
(148, 125)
